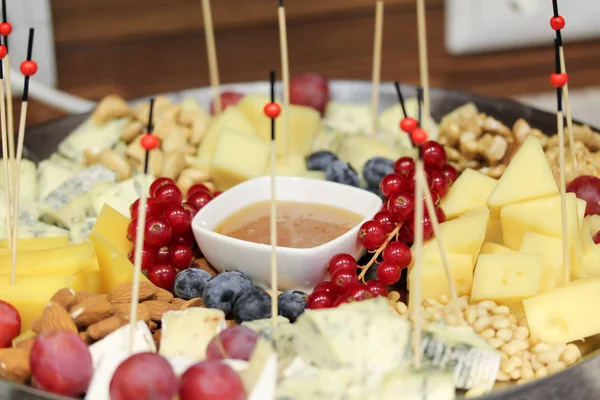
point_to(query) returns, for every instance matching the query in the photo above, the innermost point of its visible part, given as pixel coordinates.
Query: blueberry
(291, 304)
(190, 283)
(254, 304)
(320, 160)
(342, 172)
(375, 169)
(222, 291)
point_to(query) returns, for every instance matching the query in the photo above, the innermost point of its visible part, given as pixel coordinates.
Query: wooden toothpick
(423, 63)
(28, 68)
(5, 157)
(417, 267)
(211, 50)
(285, 77)
(148, 142)
(376, 78)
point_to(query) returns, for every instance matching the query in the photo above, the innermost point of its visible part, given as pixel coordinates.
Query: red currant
(595, 238)
(440, 214)
(401, 205)
(386, 219)
(158, 183)
(189, 208)
(158, 232)
(152, 208)
(10, 324)
(168, 195)
(327, 287)
(186, 238)
(377, 288)
(319, 299)
(178, 217)
(440, 183)
(435, 197)
(371, 235)
(181, 256)
(405, 235)
(132, 229)
(215, 194)
(199, 199)
(163, 255)
(148, 256)
(343, 278)
(388, 272)
(412, 180)
(450, 173)
(341, 261)
(342, 300)
(197, 188)
(427, 227)
(434, 154)
(162, 276)
(398, 253)
(392, 183)
(358, 292)
(403, 165)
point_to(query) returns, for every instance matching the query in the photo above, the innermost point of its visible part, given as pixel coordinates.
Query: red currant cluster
(389, 234)
(169, 244)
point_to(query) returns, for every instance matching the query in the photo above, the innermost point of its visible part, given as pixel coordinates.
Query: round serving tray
(578, 382)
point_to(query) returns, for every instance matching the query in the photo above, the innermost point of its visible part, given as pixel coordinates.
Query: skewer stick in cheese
(377, 43)
(5, 158)
(149, 142)
(438, 237)
(211, 50)
(28, 68)
(423, 62)
(285, 77)
(272, 111)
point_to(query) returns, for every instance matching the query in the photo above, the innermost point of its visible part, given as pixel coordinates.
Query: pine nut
(482, 323)
(560, 348)
(444, 299)
(505, 334)
(401, 308)
(555, 367)
(502, 377)
(535, 363)
(511, 348)
(548, 357)
(523, 381)
(501, 310)
(512, 319)
(571, 354)
(488, 333)
(451, 319)
(521, 344)
(500, 322)
(429, 302)
(521, 333)
(487, 305)
(542, 348)
(474, 392)
(463, 302)
(393, 295)
(515, 375)
(523, 322)
(518, 361)
(541, 373)
(496, 343)
(471, 315)
(527, 373)
(481, 312)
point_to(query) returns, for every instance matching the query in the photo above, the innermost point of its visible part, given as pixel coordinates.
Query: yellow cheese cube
(594, 223)
(550, 249)
(586, 235)
(238, 158)
(463, 235)
(493, 232)
(433, 277)
(294, 165)
(40, 243)
(566, 313)
(231, 119)
(590, 261)
(315, 175)
(469, 192)
(60, 261)
(30, 294)
(89, 278)
(494, 248)
(112, 224)
(527, 177)
(252, 106)
(581, 204)
(543, 216)
(506, 278)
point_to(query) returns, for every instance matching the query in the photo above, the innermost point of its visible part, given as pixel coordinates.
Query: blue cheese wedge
(122, 195)
(320, 384)
(418, 385)
(188, 332)
(92, 136)
(347, 118)
(28, 189)
(29, 225)
(80, 230)
(52, 173)
(119, 341)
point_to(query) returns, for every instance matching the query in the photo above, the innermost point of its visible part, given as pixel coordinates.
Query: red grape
(587, 187)
(341, 261)
(319, 299)
(227, 99)
(404, 165)
(163, 276)
(377, 288)
(181, 256)
(343, 278)
(388, 272)
(144, 376)
(163, 255)
(401, 205)
(158, 183)
(148, 256)
(158, 232)
(358, 292)
(398, 253)
(392, 183)
(434, 154)
(199, 199)
(10, 324)
(178, 217)
(595, 238)
(61, 363)
(198, 187)
(386, 219)
(211, 379)
(152, 208)
(186, 238)
(235, 342)
(327, 287)
(310, 89)
(167, 195)
(450, 172)
(371, 235)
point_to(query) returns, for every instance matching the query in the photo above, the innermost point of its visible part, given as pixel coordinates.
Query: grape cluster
(389, 234)
(169, 244)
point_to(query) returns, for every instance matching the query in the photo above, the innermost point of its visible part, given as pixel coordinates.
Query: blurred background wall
(141, 47)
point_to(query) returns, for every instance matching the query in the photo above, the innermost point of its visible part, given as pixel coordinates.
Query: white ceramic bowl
(297, 268)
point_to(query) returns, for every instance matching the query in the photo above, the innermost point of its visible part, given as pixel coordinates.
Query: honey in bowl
(299, 225)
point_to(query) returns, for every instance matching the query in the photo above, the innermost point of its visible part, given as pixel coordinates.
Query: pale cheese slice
(469, 192)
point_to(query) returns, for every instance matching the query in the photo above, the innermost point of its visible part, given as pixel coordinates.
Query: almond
(56, 318)
(26, 344)
(152, 325)
(192, 303)
(101, 329)
(36, 325)
(86, 337)
(91, 310)
(203, 264)
(79, 297)
(158, 308)
(122, 293)
(123, 310)
(157, 336)
(64, 297)
(14, 365)
(178, 302)
(230, 323)
(163, 295)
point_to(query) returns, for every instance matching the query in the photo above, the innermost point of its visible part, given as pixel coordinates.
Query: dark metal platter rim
(575, 382)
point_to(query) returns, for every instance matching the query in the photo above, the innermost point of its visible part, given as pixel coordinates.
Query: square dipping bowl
(299, 269)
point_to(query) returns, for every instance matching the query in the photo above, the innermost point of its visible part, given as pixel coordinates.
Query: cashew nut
(131, 130)
(115, 163)
(109, 108)
(173, 165)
